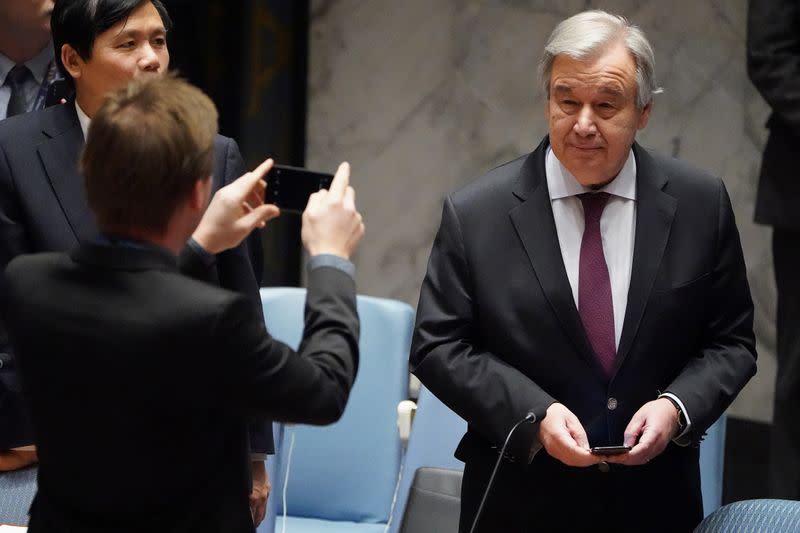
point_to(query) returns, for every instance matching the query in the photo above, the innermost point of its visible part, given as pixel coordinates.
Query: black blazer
(43, 208)
(132, 366)
(773, 64)
(498, 333)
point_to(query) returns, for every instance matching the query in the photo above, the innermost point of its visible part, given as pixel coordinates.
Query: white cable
(405, 419)
(396, 492)
(286, 480)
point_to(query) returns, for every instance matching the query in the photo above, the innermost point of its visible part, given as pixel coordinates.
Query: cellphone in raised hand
(289, 187)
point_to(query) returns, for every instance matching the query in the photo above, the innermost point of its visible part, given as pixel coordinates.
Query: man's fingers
(256, 196)
(633, 431)
(258, 216)
(258, 514)
(262, 169)
(251, 182)
(349, 198)
(340, 181)
(579, 434)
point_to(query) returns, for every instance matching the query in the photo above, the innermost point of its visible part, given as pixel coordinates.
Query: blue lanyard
(52, 73)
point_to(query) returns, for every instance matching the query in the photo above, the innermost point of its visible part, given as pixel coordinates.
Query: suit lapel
(655, 211)
(59, 154)
(534, 223)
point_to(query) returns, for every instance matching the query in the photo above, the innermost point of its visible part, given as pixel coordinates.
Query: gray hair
(586, 34)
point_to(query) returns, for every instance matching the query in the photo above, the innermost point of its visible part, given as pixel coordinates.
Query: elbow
(332, 407)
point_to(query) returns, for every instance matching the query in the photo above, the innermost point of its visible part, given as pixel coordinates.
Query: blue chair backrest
(435, 433)
(17, 489)
(712, 465)
(761, 516)
(348, 471)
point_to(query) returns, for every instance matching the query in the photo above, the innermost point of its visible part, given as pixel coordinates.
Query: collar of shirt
(39, 65)
(83, 119)
(562, 184)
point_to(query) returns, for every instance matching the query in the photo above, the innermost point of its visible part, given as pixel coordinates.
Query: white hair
(585, 35)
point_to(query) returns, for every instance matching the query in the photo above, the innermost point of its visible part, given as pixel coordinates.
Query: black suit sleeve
(235, 168)
(15, 428)
(773, 56)
(488, 393)
(236, 270)
(712, 379)
(310, 386)
(13, 239)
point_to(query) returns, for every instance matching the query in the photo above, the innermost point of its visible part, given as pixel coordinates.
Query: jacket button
(612, 404)
(603, 467)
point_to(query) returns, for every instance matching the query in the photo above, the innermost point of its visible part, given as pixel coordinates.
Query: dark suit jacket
(498, 333)
(43, 208)
(773, 63)
(130, 365)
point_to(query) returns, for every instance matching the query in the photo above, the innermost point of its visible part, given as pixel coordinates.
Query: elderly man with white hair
(596, 289)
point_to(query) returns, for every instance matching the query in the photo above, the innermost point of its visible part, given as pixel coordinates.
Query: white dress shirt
(84, 119)
(617, 231)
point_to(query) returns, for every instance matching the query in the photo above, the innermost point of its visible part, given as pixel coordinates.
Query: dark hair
(79, 22)
(160, 132)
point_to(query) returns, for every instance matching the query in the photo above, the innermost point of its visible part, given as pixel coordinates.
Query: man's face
(27, 15)
(593, 114)
(131, 48)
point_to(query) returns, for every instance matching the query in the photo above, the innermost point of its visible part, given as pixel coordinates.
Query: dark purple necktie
(594, 286)
(16, 78)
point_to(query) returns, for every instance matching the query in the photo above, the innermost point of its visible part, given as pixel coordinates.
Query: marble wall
(423, 96)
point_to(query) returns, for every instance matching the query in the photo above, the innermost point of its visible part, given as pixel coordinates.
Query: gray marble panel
(423, 96)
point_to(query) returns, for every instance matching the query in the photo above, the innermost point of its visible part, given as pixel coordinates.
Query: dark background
(251, 57)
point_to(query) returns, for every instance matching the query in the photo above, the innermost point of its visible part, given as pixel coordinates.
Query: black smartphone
(610, 450)
(290, 187)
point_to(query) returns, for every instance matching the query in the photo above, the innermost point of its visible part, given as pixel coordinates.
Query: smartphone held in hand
(610, 450)
(289, 187)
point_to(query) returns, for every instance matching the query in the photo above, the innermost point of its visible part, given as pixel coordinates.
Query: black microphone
(530, 417)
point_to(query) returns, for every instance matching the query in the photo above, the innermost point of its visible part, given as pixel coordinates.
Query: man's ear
(200, 195)
(645, 116)
(73, 62)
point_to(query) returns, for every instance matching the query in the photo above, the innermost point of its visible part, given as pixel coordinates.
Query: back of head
(79, 22)
(587, 34)
(147, 146)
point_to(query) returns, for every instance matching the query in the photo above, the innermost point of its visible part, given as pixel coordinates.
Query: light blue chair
(712, 465)
(17, 489)
(435, 433)
(343, 477)
(758, 516)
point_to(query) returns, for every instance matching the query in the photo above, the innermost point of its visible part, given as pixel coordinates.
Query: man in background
(27, 66)
(100, 45)
(27, 69)
(122, 356)
(773, 63)
(597, 286)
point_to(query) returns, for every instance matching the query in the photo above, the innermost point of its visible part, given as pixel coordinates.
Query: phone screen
(290, 187)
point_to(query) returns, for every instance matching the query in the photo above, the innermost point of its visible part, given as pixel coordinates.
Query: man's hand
(331, 223)
(649, 431)
(235, 211)
(564, 438)
(260, 494)
(16, 459)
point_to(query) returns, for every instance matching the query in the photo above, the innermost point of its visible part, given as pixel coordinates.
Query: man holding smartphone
(598, 287)
(100, 45)
(122, 355)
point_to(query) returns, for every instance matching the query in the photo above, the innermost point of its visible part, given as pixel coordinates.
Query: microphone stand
(529, 418)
